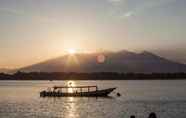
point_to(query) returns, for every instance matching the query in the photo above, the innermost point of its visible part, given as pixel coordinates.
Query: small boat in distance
(76, 91)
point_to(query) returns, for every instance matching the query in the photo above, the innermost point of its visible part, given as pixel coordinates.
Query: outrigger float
(78, 91)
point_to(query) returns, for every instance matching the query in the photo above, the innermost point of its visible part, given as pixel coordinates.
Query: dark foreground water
(20, 99)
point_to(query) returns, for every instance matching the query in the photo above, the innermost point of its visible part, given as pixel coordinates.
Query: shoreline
(91, 76)
(87, 79)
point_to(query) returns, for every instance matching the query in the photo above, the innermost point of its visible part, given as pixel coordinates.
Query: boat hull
(98, 93)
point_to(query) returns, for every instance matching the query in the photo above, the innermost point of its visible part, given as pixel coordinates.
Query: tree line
(91, 76)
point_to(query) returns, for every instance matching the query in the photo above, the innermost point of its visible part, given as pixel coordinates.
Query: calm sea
(20, 99)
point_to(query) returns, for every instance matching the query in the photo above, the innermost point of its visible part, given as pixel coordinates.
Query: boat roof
(74, 87)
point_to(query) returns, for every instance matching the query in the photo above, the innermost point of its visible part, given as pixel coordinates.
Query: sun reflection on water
(72, 111)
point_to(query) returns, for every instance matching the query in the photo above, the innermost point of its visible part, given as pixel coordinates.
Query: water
(20, 99)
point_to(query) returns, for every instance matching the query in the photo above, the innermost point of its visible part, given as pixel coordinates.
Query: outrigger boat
(78, 91)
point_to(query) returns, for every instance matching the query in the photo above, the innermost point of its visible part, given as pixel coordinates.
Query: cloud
(128, 14)
(144, 6)
(153, 3)
(11, 11)
(28, 15)
(114, 0)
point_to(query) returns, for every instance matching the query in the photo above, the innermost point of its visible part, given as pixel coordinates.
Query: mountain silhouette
(122, 61)
(4, 70)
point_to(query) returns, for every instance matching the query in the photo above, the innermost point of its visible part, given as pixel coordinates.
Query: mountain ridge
(122, 61)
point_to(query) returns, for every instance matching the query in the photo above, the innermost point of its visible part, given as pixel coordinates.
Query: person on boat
(152, 115)
(70, 84)
(48, 89)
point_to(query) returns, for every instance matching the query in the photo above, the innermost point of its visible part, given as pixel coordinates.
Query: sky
(35, 30)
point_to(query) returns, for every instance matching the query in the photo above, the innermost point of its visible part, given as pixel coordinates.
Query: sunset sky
(35, 30)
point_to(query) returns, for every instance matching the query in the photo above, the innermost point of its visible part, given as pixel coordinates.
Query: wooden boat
(78, 91)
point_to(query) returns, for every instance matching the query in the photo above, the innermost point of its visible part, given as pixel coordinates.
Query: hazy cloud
(144, 5)
(115, 0)
(27, 15)
(11, 11)
(128, 14)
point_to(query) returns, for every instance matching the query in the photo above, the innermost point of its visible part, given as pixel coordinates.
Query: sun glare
(70, 84)
(71, 51)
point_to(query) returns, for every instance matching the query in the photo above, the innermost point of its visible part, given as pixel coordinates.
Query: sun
(72, 51)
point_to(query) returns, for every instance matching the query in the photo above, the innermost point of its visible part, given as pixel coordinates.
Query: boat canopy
(58, 87)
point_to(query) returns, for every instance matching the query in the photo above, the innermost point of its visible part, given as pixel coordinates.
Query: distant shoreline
(90, 79)
(91, 76)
